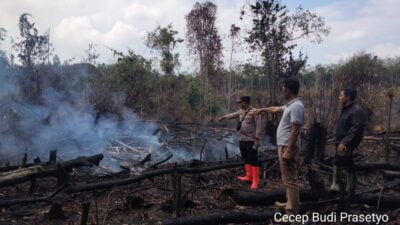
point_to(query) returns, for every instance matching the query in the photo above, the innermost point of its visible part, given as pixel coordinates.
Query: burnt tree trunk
(316, 143)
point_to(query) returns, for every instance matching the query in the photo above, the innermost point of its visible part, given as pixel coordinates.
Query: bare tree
(234, 37)
(205, 43)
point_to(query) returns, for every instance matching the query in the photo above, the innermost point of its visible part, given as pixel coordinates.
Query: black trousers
(345, 161)
(249, 154)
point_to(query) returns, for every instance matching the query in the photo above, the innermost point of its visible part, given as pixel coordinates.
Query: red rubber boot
(256, 177)
(249, 176)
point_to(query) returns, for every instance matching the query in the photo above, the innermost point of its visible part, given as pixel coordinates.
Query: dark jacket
(350, 127)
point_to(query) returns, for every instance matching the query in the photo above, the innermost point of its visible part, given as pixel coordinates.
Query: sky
(371, 26)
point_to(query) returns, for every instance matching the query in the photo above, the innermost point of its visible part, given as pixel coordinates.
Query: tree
(32, 48)
(363, 72)
(392, 66)
(56, 60)
(234, 37)
(131, 75)
(274, 34)
(3, 33)
(204, 42)
(91, 54)
(163, 40)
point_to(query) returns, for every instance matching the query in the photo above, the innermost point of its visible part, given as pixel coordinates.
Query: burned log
(391, 174)
(242, 216)
(10, 202)
(366, 166)
(29, 173)
(373, 138)
(154, 173)
(254, 198)
(24, 164)
(378, 166)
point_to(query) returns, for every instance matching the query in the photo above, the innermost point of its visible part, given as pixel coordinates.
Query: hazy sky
(356, 25)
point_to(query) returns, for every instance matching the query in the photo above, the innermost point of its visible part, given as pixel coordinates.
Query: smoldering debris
(66, 117)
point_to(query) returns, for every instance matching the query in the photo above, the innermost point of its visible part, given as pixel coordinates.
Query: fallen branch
(36, 161)
(29, 173)
(373, 138)
(161, 162)
(10, 202)
(154, 173)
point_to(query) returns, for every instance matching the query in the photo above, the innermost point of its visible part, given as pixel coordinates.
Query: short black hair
(293, 85)
(245, 99)
(351, 93)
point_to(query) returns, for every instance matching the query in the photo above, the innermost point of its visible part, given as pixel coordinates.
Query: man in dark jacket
(349, 133)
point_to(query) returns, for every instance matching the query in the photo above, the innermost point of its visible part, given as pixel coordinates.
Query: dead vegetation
(187, 193)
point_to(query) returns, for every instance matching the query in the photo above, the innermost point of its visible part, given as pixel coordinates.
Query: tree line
(161, 92)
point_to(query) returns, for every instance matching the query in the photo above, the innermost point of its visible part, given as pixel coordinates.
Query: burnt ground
(151, 199)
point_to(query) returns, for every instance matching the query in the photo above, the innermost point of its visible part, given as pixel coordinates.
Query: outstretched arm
(273, 109)
(229, 116)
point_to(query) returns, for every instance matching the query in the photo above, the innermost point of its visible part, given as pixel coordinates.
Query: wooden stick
(161, 162)
(85, 213)
(226, 153)
(129, 147)
(24, 159)
(202, 148)
(387, 148)
(53, 157)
